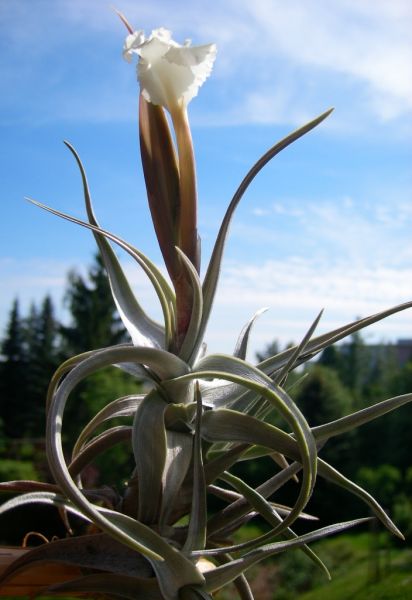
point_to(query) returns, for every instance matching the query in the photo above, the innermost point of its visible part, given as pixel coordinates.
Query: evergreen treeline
(33, 346)
(378, 455)
(346, 377)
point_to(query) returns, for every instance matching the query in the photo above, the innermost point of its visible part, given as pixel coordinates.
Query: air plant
(202, 414)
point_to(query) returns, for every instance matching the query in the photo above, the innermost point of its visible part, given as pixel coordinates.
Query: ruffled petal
(169, 74)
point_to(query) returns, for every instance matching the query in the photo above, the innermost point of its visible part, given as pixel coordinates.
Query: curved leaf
(102, 442)
(121, 407)
(230, 426)
(332, 474)
(359, 417)
(189, 340)
(234, 426)
(237, 371)
(150, 448)
(213, 270)
(161, 287)
(175, 571)
(243, 339)
(143, 330)
(274, 363)
(267, 511)
(196, 534)
(178, 458)
(222, 575)
(97, 551)
(240, 507)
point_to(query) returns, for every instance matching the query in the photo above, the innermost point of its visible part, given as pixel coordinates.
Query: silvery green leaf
(330, 473)
(61, 371)
(237, 427)
(121, 407)
(359, 417)
(123, 528)
(150, 449)
(297, 352)
(172, 568)
(259, 383)
(319, 343)
(186, 348)
(225, 460)
(196, 534)
(213, 270)
(240, 507)
(237, 371)
(143, 330)
(241, 583)
(178, 458)
(230, 426)
(161, 287)
(267, 511)
(217, 393)
(222, 575)
(42, 497)
(243, 339)
(96, 446)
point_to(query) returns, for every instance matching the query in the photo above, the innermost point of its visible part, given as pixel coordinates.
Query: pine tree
(44, 356)
(95, 323)
(13, 370)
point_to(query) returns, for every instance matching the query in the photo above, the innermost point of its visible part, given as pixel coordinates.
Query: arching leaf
(142, 329)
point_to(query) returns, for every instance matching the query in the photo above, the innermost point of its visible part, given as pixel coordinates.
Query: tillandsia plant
(202, 414)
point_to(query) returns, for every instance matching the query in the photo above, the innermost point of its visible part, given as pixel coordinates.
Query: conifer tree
(44, 356)
(94, 317)
(13, 375)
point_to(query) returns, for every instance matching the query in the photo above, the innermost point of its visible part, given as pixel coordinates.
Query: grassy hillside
(360, 571)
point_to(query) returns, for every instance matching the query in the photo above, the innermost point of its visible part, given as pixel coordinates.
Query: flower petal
(169, 74)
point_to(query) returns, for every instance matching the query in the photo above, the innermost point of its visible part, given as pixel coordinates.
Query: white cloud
(283, 62)
(364, 41)
(294, 289)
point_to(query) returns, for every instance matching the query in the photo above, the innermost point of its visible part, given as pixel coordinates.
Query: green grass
(356, 577)
(352, 560)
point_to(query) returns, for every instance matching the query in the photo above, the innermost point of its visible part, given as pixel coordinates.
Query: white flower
(169, 74)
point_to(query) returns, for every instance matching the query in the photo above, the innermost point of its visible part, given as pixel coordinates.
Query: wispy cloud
(295, 289)
(282, 62)
(362, 40)
(364, 233)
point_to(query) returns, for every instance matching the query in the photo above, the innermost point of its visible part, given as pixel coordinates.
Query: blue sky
(326, 225)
